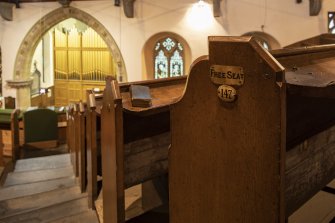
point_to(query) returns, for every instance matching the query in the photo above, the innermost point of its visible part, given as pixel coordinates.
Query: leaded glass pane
(169, 44)
(180, 47)
(157, 46)
(161, 65)
(176, 64)
(168, 58)
(331, 22)
(266, 45)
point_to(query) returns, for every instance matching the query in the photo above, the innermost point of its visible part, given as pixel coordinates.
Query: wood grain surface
(227, 159)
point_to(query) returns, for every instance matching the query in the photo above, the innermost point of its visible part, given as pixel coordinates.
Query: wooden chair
(245, 142)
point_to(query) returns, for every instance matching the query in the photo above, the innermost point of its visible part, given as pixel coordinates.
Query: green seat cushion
(5, 115)
(40, 125)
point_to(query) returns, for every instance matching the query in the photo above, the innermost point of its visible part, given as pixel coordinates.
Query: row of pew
(9, 141)
(136, 139)
(33, 128)
(247, 137)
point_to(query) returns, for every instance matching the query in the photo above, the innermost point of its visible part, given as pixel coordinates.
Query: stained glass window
(331, 22)
(169, 58)
(176, 64)
(161, 65)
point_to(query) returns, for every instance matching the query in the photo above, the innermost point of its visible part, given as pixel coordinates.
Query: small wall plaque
(227, 93)
(229, 75)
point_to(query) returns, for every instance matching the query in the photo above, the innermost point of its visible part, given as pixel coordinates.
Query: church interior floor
(44, 189)
(319, 209)
(32, 152)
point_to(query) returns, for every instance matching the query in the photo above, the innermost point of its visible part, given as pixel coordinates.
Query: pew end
(9, 148)
(217, 160)
(241, 137)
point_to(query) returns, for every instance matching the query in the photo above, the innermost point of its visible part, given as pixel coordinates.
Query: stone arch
(147, 53)
(31, 40)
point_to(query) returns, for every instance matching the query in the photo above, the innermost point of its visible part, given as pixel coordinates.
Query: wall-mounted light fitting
(200, 3)
(216, 6)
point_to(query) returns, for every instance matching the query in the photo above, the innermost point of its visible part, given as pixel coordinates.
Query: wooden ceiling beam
(128, 8)
(7, 10)
(315, 7)
(216, 8)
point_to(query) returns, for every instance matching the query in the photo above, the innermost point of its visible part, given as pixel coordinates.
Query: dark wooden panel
(139, 127)
(146, 159)
(92, 157)
(226, 160)
(112, 153)
(307, 116)
(326, 38)
(309, 167)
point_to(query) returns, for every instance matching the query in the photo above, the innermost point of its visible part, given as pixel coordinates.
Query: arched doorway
(22, 70)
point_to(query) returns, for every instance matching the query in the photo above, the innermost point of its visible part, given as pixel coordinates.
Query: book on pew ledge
(140, 96)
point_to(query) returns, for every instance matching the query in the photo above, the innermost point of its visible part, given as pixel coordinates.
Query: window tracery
(168, 58)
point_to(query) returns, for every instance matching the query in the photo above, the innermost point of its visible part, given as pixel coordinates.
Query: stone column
(22, 87)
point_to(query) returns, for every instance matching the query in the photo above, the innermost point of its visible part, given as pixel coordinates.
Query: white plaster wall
(48, 80)
(285, 20)
(38, 57)
(151, 17)
(44, 61)
(13, 34)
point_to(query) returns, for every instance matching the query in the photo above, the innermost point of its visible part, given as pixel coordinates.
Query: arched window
(266, 40)
(331, 22)
(168, 58)
(165, 54)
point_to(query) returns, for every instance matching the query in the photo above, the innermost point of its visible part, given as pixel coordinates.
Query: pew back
(9, 141)
(227, 158)
(246, 135)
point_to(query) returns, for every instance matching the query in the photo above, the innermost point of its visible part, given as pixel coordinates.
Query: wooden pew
(253, 134)
(71, 133)
(76, 135)
(322, 39)
(93, 148)
(9, 148)
(91, 115)
(134, 141)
